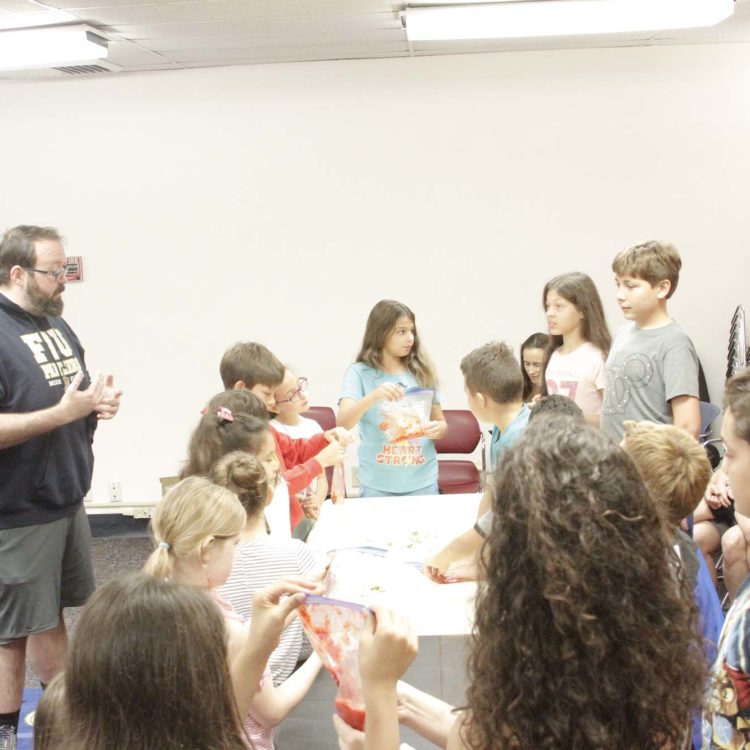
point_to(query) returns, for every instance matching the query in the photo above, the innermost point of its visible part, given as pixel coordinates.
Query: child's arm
(460, 556)
(352, 410)
(271, 705)
(388, 645)
(437, 427)
(248, 652)
(428, 716)
(686, 413)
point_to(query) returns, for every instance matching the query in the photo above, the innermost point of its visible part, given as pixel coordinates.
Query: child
(493, 386)
(579, 342)
(292, 402)
(236, 420)
(532, 365)
(259, 559)
(725, 722)
(390, 360)
(582, 637)
(459, 559)
(494, 390)
(652, 368)
(676, 471)
(252, 367)
(196, 528)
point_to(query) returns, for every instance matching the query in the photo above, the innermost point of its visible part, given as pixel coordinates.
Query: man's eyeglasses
(56, 275)
(293, 396)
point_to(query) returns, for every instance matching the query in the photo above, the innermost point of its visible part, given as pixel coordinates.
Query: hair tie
(224, 414)
(164, 545)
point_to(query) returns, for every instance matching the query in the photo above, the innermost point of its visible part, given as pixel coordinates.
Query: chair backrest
(709, 412)
(463, 434)
(323, 415)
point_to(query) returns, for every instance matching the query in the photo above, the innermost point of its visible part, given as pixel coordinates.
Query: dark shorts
(43, 569)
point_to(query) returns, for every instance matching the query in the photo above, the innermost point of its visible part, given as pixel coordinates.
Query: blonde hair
(188, 516)
(674, 467)
(652, 261)
(49, 719)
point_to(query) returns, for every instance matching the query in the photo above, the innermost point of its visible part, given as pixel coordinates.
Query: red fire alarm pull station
(73, 268)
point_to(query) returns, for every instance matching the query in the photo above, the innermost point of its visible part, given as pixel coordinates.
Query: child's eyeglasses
(293, 396)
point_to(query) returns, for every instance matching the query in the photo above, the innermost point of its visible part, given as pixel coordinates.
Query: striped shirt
(257, 564)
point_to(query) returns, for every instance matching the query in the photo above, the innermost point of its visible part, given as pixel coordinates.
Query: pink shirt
(262, 737)
(579, 376)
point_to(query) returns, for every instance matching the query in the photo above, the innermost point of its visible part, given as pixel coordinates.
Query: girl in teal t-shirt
(389, 361)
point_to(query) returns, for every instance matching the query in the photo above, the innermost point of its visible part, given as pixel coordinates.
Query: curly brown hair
(586, 635)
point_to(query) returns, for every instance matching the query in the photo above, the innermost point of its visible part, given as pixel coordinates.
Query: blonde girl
(196, 528)
(390, 360)
(579, 342)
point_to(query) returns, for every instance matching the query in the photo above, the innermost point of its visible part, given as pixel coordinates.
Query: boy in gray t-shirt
(652, 367)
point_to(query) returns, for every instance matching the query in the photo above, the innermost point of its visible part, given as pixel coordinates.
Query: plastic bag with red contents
(406, 418)
(333, 628)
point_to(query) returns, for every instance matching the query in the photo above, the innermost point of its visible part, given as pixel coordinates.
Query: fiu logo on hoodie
(54, 355)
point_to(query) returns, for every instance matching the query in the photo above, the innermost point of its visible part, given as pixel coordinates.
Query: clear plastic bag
(333, 628)
(338, 485)
(406, 418)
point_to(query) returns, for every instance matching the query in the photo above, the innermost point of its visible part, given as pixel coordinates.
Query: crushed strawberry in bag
(338, 485)
(333, 628)
(407, 418)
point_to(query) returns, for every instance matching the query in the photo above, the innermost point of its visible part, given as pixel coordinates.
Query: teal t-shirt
(506, 438)
(389, 467)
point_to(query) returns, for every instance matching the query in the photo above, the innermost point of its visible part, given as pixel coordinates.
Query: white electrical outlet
(355, 476)
(115, 492)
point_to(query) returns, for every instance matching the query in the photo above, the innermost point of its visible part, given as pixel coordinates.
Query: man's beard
(40, 305)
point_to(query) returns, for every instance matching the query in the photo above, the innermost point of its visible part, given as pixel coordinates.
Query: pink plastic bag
(333, 628)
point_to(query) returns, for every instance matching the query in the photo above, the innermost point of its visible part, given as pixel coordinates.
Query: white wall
(279, 203)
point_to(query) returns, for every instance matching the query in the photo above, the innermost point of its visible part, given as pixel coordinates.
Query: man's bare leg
(47, 652)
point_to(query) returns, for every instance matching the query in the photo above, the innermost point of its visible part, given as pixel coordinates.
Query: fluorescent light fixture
(50, 47)
(538, 18)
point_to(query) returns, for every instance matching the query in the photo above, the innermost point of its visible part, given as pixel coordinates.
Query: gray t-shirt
(646, 368)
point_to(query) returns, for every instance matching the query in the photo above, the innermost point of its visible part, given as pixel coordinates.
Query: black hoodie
(46, 477)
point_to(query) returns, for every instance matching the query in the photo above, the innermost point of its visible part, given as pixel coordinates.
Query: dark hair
(586, 633)
(251, 363)
(148, 668)
(737, 400)
(556, 403)
(493, 371)
(17, 247)
(578, 289)
(215, 435)
(535, 341)
(245, 476)
(381, 322)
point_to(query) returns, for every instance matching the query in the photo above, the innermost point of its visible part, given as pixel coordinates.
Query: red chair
(326, 418)
(464, 435)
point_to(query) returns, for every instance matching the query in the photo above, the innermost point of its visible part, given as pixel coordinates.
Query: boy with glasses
(291, 403)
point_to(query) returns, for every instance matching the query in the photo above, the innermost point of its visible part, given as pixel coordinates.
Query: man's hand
(75, 403)
(109, 403)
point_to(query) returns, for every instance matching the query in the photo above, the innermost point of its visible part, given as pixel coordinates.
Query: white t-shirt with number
(579, 375)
